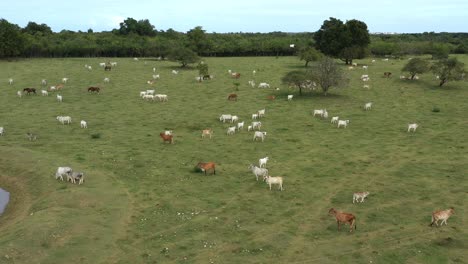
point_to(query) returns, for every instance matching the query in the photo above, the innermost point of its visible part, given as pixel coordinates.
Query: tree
(141, 27)
(11, 39)
(327, 74)
(415, 66)
(183, 55)
(309, 54)
(439, 51)
(202, 70)
(449, 70)
(34, 28)
(345, 41)
(198, 40)
(296, 79)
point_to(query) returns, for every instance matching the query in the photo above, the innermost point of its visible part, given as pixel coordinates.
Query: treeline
(140, 39)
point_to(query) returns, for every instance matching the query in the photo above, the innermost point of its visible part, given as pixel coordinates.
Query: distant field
(142, 202)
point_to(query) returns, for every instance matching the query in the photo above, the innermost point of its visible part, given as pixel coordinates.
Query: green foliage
(327, 74)
(202, 69)
(11, 40)
(198, 40)
(34, 28)
(416, 66)
(141, 27)
(309, 54)
(449, 70)
(183, 55)
(382, 48)
(435, 109)
(346, 41)
(296, 79)
(439, 51)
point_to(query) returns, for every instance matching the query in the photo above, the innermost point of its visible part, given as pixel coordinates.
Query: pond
(4, 198)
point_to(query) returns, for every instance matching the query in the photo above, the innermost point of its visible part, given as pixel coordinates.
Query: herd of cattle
(259, 171)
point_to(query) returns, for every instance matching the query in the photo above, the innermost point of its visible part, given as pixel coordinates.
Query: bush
(435, 109)
(96, 135)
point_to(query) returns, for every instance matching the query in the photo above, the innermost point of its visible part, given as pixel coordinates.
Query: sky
(409, 16)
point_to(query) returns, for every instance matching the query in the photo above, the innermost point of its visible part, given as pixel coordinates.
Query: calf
(59, 98)
(205, 166)
(232, 97)
(412, 127)
(290, 97)
(262, 162)
(44, 93)
(168, 138)
(343, 218)
(387, 74)
(2, 130)
(205, 132)
(441, 215)
(83, 124)
(263, 85)
(334, 119)
(368, 106)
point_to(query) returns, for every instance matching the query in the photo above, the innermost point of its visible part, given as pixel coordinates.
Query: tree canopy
(183, 55)
(449, 70)
(141, 27)
(416, 66)
(309, 54)
(11, 40)
(327, 74)
(296, 79)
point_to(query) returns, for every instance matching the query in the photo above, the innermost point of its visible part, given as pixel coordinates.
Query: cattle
(290, 97)
(156, 76)
(64, 119)
(225, 117)
(441, 215)
(175, 72)
(59, 98)
(150, 92)
(76, 177)
(256, 125)
(235, 75)
(94, 89)
(261, 112)
(274, 180)
(59, 87)
(334, 119)
(262, 162)
(205, 166)
(2, 130)
(169, 132)
(257, 171)
(368, 106)
(44, 93)
(252, 83)
(148, 96)
(44, 82)
(205, 132)
(102, 64)
(10, 81)
(29, 90)
(263, 85)
(254, 116)
(249, 128)
(207, 77)
(231, 130)
(412, 127)
(234, 119)
(83, 124)
(19, 94)
(107, 68)
(271, 97)
(364, 76)
(343, 123)
(259, 134)
(365, 67)
(63, 171)
(354, 64)
(167, 138)
(387, 74)
(320, 112)
(232, 97)
(106, 80)
(343, 218)
(359, 195)
(31, 136)
(161, 97)
(240, 125)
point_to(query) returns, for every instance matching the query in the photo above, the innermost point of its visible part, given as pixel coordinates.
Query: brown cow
(165, 137)
(343, 218)
(271, 97)
(387, 74)
(232, 97)
(441, 215)
(204, 166)
(235, 75)
(94, 89)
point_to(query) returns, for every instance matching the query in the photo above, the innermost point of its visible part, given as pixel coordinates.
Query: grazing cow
(150, 92)
(2, 130)
(343, 218)
(175, 72)
(271, 97)
(262, 162)
(148, 96)
(441, 215)
(83, 124)
(365, 67)
(232, 97)
(142, 93)
(102, 64)
(161, 97)
(334, 119)
(252, 83)
(234, 119)
(64, 119)
(250, 128)
(364, 76)
(155, 76)
(107, 68)
(89, 68)
(29, 90)
(76, 177)
(235, 75)
(257, 171)
(113, 64)
(59, 98)
(365, 86)
(413, 127)
(240, 125)
(368, 106)
(343, 123)
(263, 85)
(354, 64)
(169, 132)
(373, 61)
(351, 68)
(63, 171)
(254, 116)
(231, 130)
(205, 166)
(44, 93)
(225, 118)
(274, 180)
(205, 132)
(259, 134)
(319, 112)
(257, 125)
(64, 80)
(151, 82)
(261, 113)
(360, 195)
(387, 74)
(168, 138)
(94, 89)
(59, 87)
(290, 97)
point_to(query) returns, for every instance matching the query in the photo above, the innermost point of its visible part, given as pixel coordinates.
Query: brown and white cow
(343, 218)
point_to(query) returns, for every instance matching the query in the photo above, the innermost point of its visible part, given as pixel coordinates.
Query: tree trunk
(412, 76)
(307, 63)
(442, 82)
(300, 90)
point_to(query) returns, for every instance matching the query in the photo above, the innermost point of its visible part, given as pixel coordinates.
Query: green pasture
(143, 202)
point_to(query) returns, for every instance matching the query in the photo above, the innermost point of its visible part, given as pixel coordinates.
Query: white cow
(148, 96)
(2, 130)
(256, 125)
(252, 83)
(343, 123)
(161, 97)
(263, 85)
(254, 116)
(261, 113)
(59, 98)
(365, 67)
(319, 112)
(10, 81)
(106, 80)
(175, 72)
(368, 106)
(44, 82)
(44, 93)
(240, 125)
(413, 127)
(113, 64)
(225, 117)
(234, 119)
(142, 93)
(334, 119)
(258, 171)
(364, 76)
(19, 94)
(259, 134)
(231, 130)
(89, 68)
(290, 97)
(325, 114)
(102, 64)
(64, 80)
(155, 76)
(154, 69)
(250, 128)
(83, 124)
(274, 180)
(354, 64)
(64, 119)
(67, 171)
(262, 162)
(150, 92)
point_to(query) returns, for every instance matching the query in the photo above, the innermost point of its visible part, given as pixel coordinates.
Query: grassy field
(142, 202)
